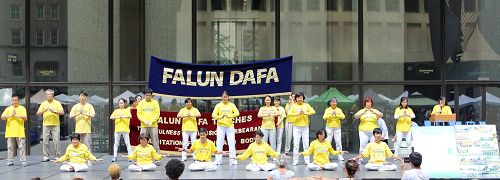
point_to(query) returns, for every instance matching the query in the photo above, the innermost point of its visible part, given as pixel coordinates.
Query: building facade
(379, 48)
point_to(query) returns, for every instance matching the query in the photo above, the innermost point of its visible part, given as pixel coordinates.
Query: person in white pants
(378, 151)
(321, 149)
(121, 116)
(368, 117)
(333, 117)
(301, 111)
(224, 113)
(189, 124)
(77, 154)
(203, 149)
(268, 113)
(259, 151)
(280, 123)
(144, 154)
(385, 132)
(403, 115)
(289, 124)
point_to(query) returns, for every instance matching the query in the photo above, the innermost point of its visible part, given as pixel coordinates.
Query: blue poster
(200, 81)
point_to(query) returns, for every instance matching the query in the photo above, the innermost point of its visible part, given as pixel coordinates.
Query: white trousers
(387, 166)
(231, 141)
(68, 167)
(335, 133)
(279, 139)
(364, 138)
(300, 132)
(288, 136)
(327, 166)
(185, 141)
(138, 168)
(202, 166)
(271, 135)
(399, 138)
(258, 167)
(126, 138)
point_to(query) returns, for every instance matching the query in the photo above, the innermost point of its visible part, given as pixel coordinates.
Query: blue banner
(269, 77)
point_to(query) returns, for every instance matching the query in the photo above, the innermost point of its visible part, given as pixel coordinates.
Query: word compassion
(213, 78)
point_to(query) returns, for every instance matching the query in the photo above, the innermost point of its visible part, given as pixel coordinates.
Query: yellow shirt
(15, 126)
(49, 118)
(78, 155)
(301, 119)
(368, 120)
(189, 123)
(144, 155)
(404, 122)
(203, 151)
(377, 152)
(259, 153)
(320, 151)
(445, 110)
(282, 115)
(149, 112)
(83, 122)
(122, 124)
(289, 119)
(229, 111)
(267, 114)
(333, 120)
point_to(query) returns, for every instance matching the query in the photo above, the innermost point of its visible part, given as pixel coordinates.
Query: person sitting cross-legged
(321, 149)
(203, 149)
(259, 151)
(378, 151)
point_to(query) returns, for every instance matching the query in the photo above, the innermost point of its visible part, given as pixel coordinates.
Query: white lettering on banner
(246, 130)
(169, 132)
(247, 140)
(202, 121)
(242, 119)
(212, 78)
(170, 142)
(169, 120)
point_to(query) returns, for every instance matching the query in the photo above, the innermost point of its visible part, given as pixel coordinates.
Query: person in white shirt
(415, 172)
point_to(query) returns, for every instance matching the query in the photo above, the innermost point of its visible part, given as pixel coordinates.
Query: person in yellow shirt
(83, 113)
(280, 124)
(224, 113)
(333, 117)
(259, 151)
(268, 113)
(50, 110)
(378, 151)
(301, 112)
(121, 116)
(14, 117)
(289, 123)
(189, 124)
(368, 117)
(144, 154)
(77, 154)
(442, 108)
(203, 149)
(321, 149)
(403, 115)
(148, 112)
